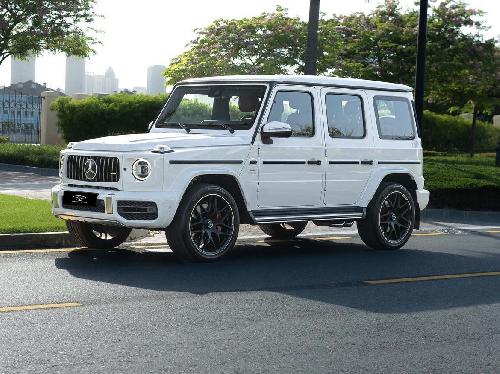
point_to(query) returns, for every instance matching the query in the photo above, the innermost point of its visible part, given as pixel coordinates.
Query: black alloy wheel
(390, 218)
(211, 225)
(396, 217)
(96, 235)
(206, 224)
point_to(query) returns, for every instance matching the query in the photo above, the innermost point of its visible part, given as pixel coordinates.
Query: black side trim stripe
(284, 162)
(344, 162)
(305, 211)
(204, 162)
(399, 162)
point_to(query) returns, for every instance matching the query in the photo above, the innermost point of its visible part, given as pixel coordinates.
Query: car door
(349, 145)
(291, 170)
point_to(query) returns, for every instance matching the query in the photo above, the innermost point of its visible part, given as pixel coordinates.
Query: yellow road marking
(49, 250)
(22, 308)
(429, 233)
(493, 231)
(433, 277)
(335, 238)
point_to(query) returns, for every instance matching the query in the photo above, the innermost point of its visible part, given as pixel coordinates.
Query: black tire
(97, 236)
(283, 231)
(206, 225)
(390, 218)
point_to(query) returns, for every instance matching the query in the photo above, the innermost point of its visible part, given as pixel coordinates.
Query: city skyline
(159, 33)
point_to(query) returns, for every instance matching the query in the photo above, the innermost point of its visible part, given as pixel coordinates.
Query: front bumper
(422, 198)
(166, 202)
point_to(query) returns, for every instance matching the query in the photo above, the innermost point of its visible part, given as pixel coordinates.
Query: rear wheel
(206, 224)
(390, 218)
(97, 236)
(283, 230)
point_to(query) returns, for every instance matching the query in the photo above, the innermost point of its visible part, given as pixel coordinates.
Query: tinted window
(205, 106)
(394, 118)
(296, 109)
(345, 116)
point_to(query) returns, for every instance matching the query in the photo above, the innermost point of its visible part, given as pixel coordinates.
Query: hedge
(43, 156)
(115, 114)
(448, 133)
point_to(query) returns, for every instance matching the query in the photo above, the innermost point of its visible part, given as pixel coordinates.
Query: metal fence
(20, 116)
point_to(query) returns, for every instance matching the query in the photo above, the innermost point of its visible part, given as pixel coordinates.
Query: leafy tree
(271, 43)
(28, 27)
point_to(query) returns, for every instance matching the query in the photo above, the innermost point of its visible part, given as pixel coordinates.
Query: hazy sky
(138, 34)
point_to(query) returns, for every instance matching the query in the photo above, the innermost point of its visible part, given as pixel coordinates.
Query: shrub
(115, 114)
(4, 139)
(452, 134)
(44, 156)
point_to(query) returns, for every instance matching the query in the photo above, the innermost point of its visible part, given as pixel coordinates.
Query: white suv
(273, 151)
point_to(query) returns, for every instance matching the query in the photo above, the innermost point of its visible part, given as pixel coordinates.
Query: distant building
(22, 70)
(75, 75)
(96, 84)
(156, 81)
(140, 90)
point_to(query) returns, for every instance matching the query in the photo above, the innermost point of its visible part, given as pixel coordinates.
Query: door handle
(313, 162)
(366, 162)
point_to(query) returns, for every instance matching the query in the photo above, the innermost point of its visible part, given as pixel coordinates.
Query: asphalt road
(306, 306)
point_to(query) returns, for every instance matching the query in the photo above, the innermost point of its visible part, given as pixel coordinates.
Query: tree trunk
(473, 131)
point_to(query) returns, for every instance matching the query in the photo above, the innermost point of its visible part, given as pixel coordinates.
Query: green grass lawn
(18, 215)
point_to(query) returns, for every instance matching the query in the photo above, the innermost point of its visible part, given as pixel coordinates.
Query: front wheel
(97, 236)
(390, 218)
(206, 225)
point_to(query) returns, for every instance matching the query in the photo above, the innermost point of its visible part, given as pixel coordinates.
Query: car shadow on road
(324, 271)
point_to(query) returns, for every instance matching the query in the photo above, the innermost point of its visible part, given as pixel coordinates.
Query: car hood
(146, 142)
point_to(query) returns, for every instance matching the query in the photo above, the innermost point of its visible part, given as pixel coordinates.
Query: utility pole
(420, 73)
(312, 38)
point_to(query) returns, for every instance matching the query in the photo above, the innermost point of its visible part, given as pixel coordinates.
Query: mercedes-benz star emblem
(90, 169)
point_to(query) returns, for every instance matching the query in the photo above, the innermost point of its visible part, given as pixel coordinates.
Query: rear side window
(344, 115)
(394, 117)
(296, 109)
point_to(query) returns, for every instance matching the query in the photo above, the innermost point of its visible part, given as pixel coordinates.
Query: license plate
(80, 198)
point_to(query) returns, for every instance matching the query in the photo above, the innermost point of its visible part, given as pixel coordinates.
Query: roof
(306, 79)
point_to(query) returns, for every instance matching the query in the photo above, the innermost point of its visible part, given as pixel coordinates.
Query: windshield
(212, 106)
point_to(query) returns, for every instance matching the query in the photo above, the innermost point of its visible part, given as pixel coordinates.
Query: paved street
(301, 306)
(26, 184)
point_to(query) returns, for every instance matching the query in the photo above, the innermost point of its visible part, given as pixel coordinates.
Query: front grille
(137, 210)
(99, 208)
(102, 169)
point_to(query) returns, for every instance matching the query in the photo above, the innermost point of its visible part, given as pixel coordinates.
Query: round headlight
(61, 165)
(141, 169)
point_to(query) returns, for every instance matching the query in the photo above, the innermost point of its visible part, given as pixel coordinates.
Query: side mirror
(276, 129)
(150, 126)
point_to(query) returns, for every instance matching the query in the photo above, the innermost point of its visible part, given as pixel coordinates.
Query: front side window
(344, 115)
(211, 106)
(394, 117)
(296, 109)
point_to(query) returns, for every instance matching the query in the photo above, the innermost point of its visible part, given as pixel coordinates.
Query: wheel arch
(228, 182)
(403, 177)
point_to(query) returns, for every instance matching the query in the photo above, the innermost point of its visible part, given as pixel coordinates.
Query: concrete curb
(29, 169)
(36, 240)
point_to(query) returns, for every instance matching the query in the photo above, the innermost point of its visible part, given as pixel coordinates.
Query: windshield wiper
(218, 123)
(181, 125)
